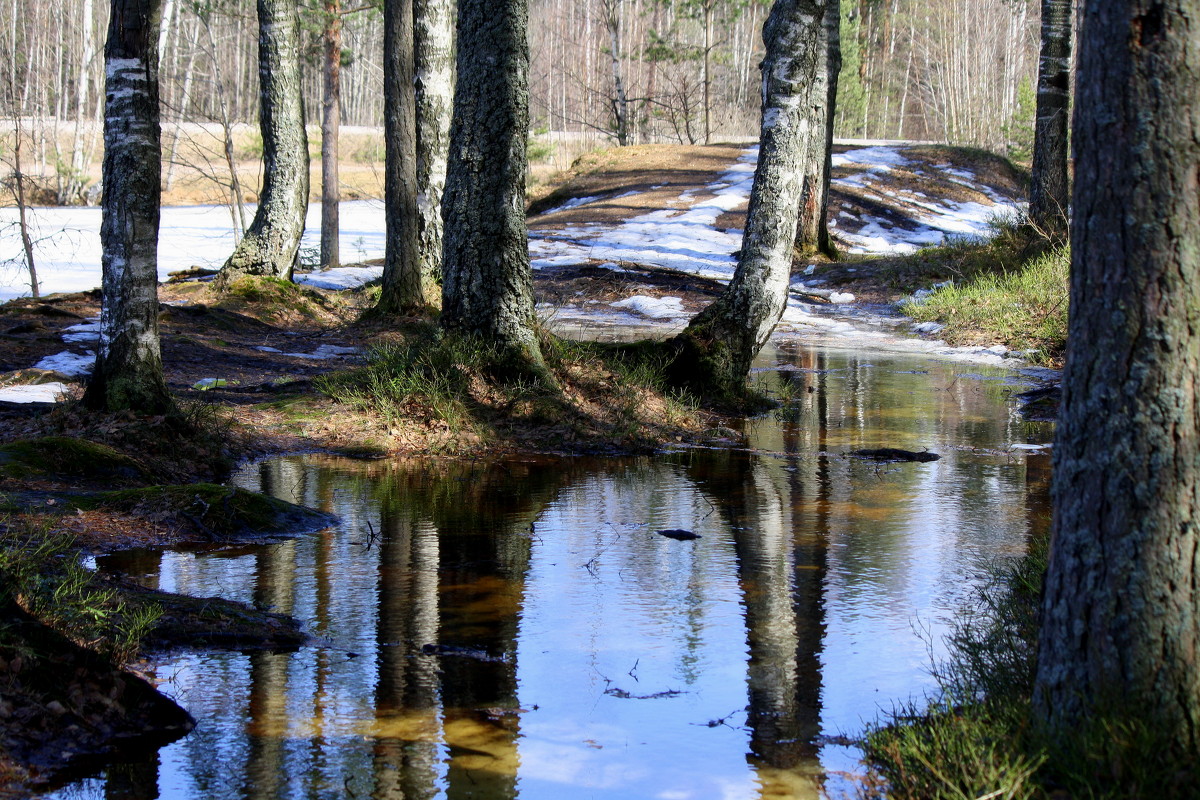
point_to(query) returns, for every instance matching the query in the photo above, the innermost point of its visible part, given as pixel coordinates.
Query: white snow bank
(341, 277)
(68, 363)
(653, 307)
(67, 242)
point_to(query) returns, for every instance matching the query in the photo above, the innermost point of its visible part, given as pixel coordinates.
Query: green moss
(274, 298)
(215, 512)
(66, 456)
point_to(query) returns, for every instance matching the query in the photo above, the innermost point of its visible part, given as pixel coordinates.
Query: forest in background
(622, 71)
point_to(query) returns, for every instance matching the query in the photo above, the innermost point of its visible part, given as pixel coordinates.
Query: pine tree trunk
(714, 353)
(1121, 630)
(1049, 190)
(402, 287)
(433, 50)
(272, 241)
(128, 373)
(487, 288)
(812, 229)
(331, 112)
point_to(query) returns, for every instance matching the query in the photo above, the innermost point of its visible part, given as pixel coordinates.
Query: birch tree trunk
(272, 241)
(128, 372)
(713, 354)
(433, 52)
(331, 112)
(812, 229)
(1049, 190)
(1120, 633)
(402, 290)
(487, 289)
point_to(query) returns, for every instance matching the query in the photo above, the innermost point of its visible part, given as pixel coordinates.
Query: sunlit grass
(1024, 308)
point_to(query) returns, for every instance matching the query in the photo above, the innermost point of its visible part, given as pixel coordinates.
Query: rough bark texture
(272, 241)
(402, 289)
(619, 101)
(812, 229)
(715, 351)
(331, 112)
(433, 50)
(1049, 190)
(1121, 628)
(487, 288)
(128, 373)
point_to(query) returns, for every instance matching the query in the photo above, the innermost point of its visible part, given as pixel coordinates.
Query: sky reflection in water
(575, 652)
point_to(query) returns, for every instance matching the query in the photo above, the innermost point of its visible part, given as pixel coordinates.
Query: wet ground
(520, 628)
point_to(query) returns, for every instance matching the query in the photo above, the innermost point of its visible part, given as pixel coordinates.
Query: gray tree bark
(402, 286)
(487, 288)
(331, 112)
(272, 241)
(1049, 190)
(128, 372)
(1121, 615)
(812, 230)
(433, 50)
(713, 354)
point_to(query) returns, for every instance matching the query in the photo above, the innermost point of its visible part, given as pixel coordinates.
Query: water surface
(518, 629)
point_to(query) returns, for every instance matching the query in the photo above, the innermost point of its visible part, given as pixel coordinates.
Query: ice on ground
(83, 332)
(324, 351)
(653, 307)
(67, 242)
(341, 277)
(68, 363)
(38, 393)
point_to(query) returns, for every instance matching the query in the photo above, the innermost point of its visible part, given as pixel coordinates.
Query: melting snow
(653, 307)
(39, 393)
(68, 363)
(341, 277)
(83, 332)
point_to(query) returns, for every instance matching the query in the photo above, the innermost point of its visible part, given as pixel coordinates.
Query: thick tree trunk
(1049, 189)
(1121, 628)
(812, 230)
(433, 50)
(331, 113)
(402, 286)
(488, 285)
(272, 241)
(128, 373)
(714, 353)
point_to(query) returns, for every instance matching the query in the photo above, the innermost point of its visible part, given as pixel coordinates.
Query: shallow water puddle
(519, 629)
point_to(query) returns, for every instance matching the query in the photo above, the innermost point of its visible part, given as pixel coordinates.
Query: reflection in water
(518, 630)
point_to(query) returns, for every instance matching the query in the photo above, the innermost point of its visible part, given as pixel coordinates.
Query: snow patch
(39, 393)
(68, 363)
(653, 307)
(340, 277)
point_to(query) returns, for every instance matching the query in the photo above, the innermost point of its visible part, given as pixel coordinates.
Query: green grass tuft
(1024, 308)
(41, 569)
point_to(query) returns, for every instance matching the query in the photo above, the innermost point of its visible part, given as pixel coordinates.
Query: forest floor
(248, 366)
